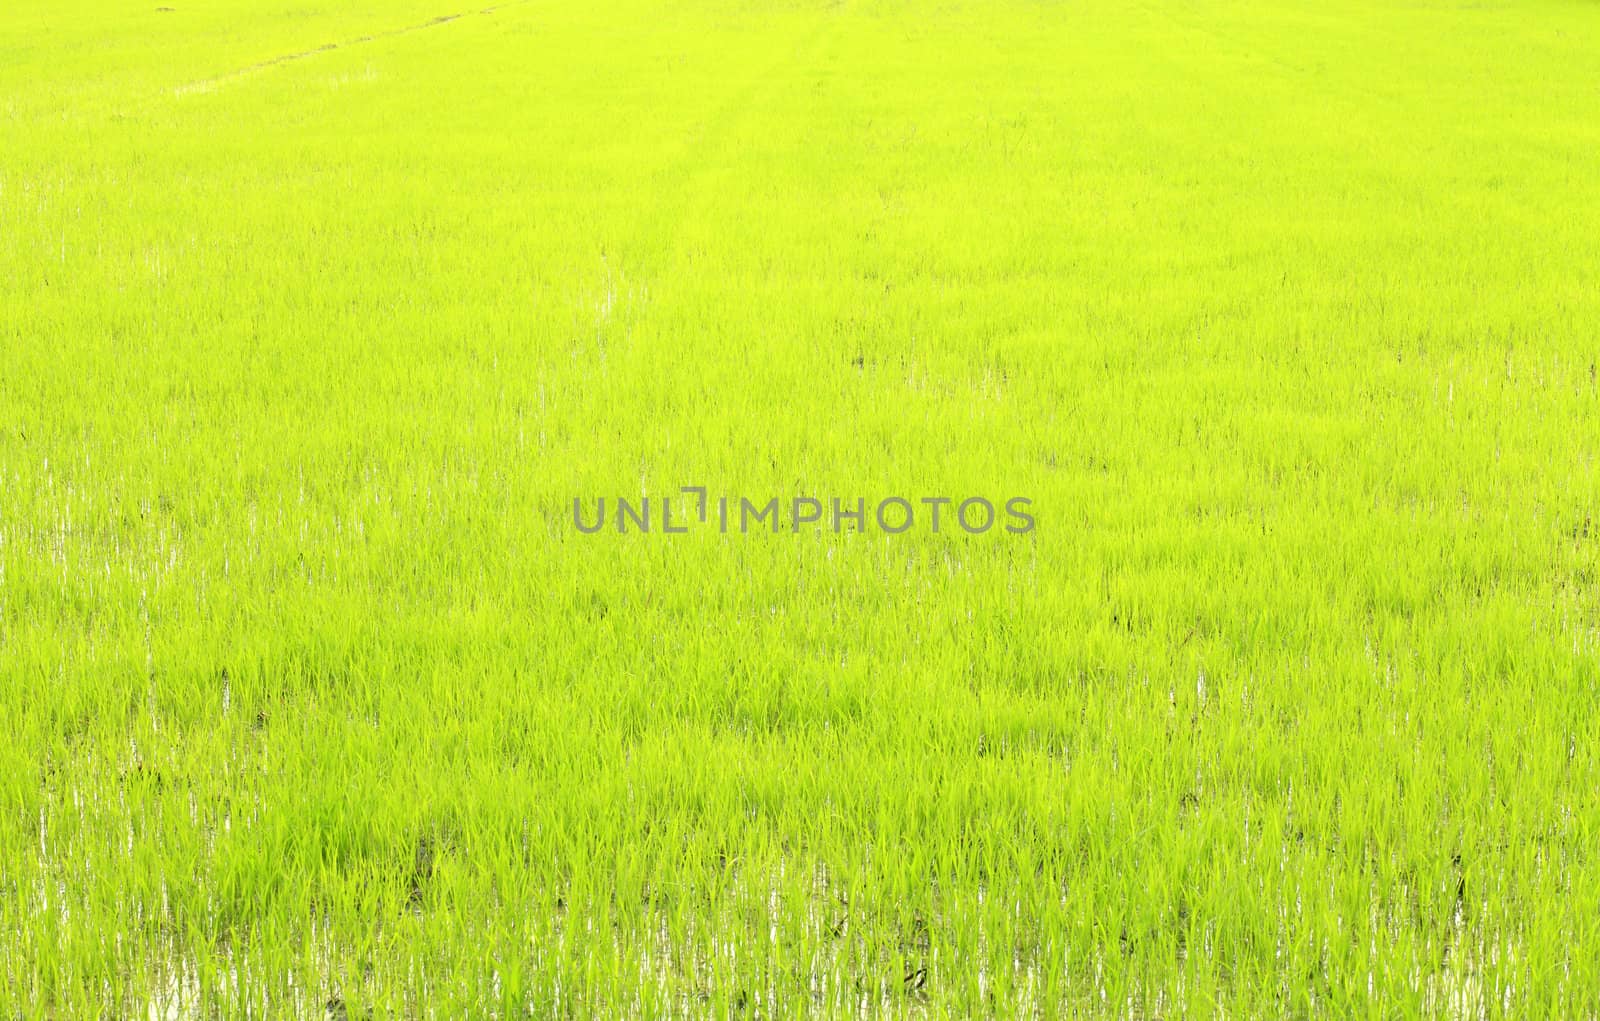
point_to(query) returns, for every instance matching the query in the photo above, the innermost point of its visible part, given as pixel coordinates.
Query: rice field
(383, 633)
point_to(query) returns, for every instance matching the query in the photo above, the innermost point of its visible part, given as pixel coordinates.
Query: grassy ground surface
(315, 319)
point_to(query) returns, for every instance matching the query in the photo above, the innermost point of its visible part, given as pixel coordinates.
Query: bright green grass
(1285, 314)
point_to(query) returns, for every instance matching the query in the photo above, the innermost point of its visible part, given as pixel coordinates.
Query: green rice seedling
(318, 322)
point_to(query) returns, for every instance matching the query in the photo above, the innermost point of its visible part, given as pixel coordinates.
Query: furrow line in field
(208, 84)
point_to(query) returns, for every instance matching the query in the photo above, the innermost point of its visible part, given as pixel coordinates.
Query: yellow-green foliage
(316, 318)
